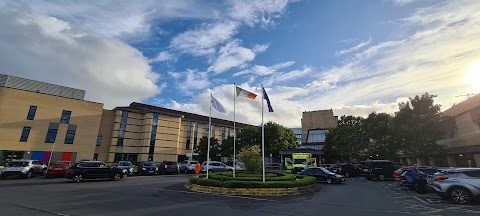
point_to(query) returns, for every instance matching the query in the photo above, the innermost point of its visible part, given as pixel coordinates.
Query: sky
(352, 56)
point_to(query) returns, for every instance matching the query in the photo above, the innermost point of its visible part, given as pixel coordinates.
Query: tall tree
(202, 147)
(348, 141)
(226, 148)
(278, 138)
(378, 128)
(419, 125)
(248, 137)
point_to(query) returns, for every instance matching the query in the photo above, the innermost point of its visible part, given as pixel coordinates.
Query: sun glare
(472, 77)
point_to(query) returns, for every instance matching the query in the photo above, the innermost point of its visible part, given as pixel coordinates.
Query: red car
(398, 173)
(58, 169)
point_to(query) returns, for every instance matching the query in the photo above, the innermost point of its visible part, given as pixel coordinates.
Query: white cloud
(355, 48)
(402, 2)
(116, 18)
(252, 12)
(264, 70)
(230, 56)
(289, 77)
(204, 39)
(191, 81)
(259, 48)
(48, 49)
(163, 56)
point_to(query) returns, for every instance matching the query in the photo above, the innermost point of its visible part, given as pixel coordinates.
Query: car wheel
(329, 181)
(381, 177)
(78, 178)
(210, 171)
(116, 177)
(460, 195)
(3, 177)
(347, 175)
(29, 174)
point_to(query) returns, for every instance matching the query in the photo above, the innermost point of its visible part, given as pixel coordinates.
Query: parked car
(240, 166)
(461, 185)
(324, 175)
(126, 166)
(24, 168)
(93, 170)
(188, 166)
(167, 167)
(215, 166)
(416, 179)
(58, 169)
(398, 173)
(347, 170)
(379, 169)
(147, 168)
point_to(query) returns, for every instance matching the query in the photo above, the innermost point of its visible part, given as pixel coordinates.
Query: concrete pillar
(419, 162)
(451, 161)
(409, 161)
(433, 162)
(477, 159)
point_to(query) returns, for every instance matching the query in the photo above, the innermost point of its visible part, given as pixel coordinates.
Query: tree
(252, 158)
(202, 147)
(378, 128)
(226, 148)
(347, 141)
(278, 138)
(418, 126)
(249, 137)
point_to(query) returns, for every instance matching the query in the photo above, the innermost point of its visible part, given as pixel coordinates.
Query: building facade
(463, 143)
(142, 132)
(315, 125)
(39, 118)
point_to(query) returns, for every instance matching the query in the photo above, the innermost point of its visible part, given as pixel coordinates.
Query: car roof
(23, 160)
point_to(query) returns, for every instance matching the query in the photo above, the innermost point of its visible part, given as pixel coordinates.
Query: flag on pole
(245, 93)
(218, 106)
(270, 109)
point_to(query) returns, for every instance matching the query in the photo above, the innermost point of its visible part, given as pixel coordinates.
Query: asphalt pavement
(165, 195)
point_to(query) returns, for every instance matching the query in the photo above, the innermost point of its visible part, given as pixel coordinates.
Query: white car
(215, 166)
(24, 168)
(240, 166)
(188, 166)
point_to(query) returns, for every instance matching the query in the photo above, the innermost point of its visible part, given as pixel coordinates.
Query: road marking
(231, 196)
(420, 200)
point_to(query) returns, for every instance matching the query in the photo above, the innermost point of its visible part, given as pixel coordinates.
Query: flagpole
(209, 134)
(263, 139)
(234, 132)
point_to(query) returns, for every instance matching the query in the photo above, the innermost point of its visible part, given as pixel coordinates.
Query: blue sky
(353, 56)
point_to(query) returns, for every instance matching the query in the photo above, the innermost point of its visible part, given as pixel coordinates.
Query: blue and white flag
(218, 106)
(270, 109)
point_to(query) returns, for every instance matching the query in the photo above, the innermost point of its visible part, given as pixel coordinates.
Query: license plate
(150, 171)
(58, 168)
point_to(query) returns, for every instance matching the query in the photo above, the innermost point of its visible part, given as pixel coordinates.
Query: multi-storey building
(37, 118)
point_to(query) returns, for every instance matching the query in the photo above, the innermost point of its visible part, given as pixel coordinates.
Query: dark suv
(347, 170)
(147, 168)
(169, 167)
(92, 170)
(379, 169)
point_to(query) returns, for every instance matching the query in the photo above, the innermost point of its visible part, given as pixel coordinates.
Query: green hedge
(243, 174)
(252, 178)
(301, 181)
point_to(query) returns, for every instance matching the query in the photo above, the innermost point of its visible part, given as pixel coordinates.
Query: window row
(52, 133)
(64, 119)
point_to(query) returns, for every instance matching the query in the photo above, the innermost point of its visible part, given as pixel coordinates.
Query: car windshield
(18, 164)
(124, 164)
(149, 163)
(170, 163)
(61, 164)
(325, 170)
(428, 171)
(300, 161)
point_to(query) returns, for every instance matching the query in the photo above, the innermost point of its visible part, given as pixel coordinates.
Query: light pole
(51, 154)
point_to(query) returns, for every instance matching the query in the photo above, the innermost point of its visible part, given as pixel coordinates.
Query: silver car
(24, 168)
(188, 166)
(461, 185)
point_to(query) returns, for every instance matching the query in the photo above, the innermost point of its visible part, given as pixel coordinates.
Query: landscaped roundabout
(276, 184)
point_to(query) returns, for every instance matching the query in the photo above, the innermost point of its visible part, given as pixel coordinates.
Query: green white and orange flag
(244, 93)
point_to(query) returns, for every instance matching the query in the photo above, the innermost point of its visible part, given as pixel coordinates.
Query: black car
(147, 168)
(324, 175)
(167, 167)
(127, 167)
(347, 170)
(379, 169)
(92, 170)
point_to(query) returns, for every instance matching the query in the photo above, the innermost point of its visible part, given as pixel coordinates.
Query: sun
(472, 77)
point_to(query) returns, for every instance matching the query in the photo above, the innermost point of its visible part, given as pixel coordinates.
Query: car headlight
(24, 169)
(156, 168)
(143, 168)
(131, 169)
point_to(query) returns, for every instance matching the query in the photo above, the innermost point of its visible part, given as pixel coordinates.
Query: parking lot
(165, 195)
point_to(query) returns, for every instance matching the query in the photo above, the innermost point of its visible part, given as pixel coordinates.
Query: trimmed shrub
(299, 181)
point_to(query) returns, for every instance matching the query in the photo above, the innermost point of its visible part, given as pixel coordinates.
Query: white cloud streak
(355, 48)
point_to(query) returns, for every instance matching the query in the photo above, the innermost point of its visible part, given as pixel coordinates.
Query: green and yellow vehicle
(299, 162)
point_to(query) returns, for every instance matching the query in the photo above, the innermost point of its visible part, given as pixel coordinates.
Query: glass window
(316, 135)
(189, 134)
(228, 132)
(65, 117)
(70, 134)
(195, 135)
(153, 136)
(223, 133)
(25, 134)
(99, 139)
(123, 126)
(95, 156)
(31, 112)
(52, 133)
(213, 131)
(207, 130)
